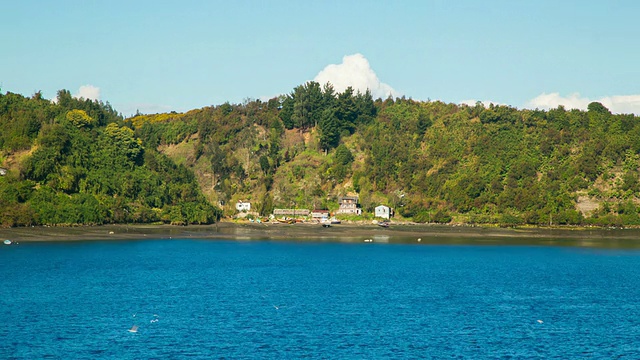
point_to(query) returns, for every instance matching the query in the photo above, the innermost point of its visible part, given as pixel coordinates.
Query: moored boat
(286, 221)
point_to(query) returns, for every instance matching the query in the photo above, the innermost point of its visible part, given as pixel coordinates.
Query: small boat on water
(286, 221)
(134, 329)
(383, 224)
(326, 224)
(335, 221)
(7, 242)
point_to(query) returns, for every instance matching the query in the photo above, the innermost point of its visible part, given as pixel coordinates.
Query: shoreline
(355, 233)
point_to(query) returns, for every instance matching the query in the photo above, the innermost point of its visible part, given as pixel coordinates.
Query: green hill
(429, 160)
(75, 162)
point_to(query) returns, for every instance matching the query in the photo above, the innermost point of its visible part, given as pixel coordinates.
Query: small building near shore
(292, 212)
(243, 206)
(320, 215)
(348, 205)
(382, 211)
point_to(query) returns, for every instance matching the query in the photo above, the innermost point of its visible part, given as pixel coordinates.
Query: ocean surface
(326, 300)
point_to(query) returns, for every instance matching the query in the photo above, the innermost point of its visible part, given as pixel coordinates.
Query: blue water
(225, 299)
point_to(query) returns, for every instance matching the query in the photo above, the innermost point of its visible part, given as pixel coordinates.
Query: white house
(382, 211)
(348, 205)
(243, 205)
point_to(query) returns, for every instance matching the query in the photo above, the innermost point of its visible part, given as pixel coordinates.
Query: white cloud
(356, 72)
(620, 104)
(84, 92)
(88, 92)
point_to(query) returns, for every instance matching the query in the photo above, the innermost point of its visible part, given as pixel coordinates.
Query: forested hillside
(75, 162)
(78, 161)
(430, 161)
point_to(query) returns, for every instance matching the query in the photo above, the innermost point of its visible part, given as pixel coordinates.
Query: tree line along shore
(79, 161)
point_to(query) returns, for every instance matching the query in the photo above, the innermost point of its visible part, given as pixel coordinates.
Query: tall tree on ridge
(307, 106)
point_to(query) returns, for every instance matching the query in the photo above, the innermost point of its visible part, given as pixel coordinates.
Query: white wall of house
(348, 205)
(243, 206)
(382, 212)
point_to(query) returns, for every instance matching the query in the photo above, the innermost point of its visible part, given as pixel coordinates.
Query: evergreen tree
(286, 113)
(307, 107)
(329, 130)
(347, 112)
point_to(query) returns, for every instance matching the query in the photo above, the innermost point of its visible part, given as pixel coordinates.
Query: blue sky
(160, 56)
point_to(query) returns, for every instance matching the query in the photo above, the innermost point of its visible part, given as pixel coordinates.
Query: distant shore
(356, 233)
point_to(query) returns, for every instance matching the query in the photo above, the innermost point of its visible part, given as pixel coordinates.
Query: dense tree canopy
(76, 173)
(431, 161)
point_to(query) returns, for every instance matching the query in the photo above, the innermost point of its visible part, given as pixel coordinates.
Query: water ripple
(201, 299)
